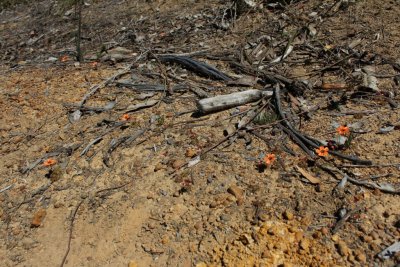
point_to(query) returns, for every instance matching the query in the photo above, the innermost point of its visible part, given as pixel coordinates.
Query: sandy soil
(143, 208)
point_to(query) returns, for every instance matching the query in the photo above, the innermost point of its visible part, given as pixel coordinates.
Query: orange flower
(343, 130)
(64, 58)
(125, 117)
(322, 151)
(269, 159)
(49, 162)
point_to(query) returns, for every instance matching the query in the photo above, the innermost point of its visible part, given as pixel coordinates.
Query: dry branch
(222, 102)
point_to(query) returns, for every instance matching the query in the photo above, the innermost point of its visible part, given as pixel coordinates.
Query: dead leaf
(308, 176)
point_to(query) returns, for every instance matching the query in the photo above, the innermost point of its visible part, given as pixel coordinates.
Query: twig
(358, 182)
(112, 188)
(38, 191)
(70, 233)
(298, 141)
(373, 165)
(97, 87)
(288, 128)
(189, 54)
(117, 142)
(99, 138)
(6, 188)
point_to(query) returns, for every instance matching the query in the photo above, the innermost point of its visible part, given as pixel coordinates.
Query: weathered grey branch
(222, 102)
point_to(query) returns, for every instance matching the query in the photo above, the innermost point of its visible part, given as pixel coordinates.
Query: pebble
(304, 244)
(246, 239)
(318, 188)
(266, 253)
(343, 249)
(263, 217)
(335, 238)
(298, 236)
(90, 153)
(213, 204)
(360, 256)
(225, 218)
(38, 218)
(177, 163)
(159, 166)
(132, 264)
(375, 235)
(237, 192)
(198, 225)
(190, 152)
(324, 230)
(165, 240)
(273, 230)
(317, 235)
(287, 215)
(363, 228)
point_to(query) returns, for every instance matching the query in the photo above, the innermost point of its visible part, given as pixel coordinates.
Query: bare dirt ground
(137, 203)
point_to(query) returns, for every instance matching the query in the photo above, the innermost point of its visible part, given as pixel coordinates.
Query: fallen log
(222, 102)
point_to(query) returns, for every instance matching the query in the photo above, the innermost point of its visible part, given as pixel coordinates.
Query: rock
(287, 215)
(177, 163)
(133, 264)
(324, 230)
(335, 238)
(263, 217)
(273, 230)
(266, 254)
(38, 218)
(246, 239)
(304, 244)
(237, 192)
(159, 166)
(298, 236)
(198, 225)
(343, 249)
(190, 152)
(375, 235)
(317, 235)
(201, 264)
(213, 204)
(225, 218)
(165, 240)
(360, 256)
(367, 238)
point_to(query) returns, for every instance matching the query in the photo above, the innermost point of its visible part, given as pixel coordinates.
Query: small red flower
(64, 58)
(125, 117)
(49, 162)
(269, 159)
(343, 130)
(322, 151)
